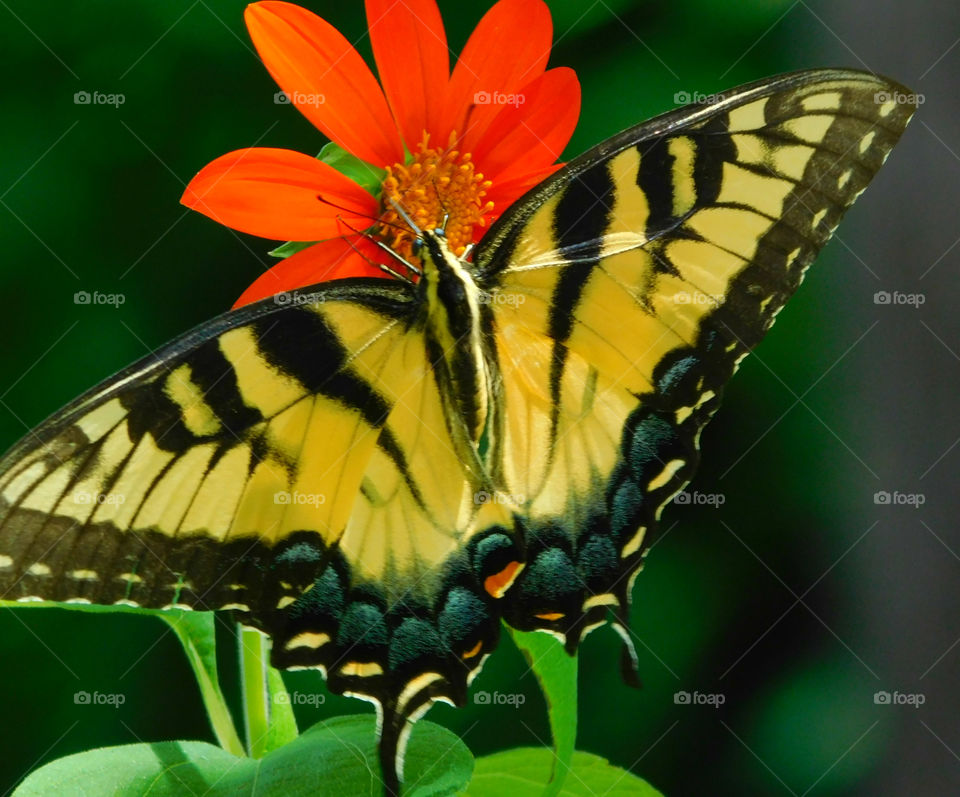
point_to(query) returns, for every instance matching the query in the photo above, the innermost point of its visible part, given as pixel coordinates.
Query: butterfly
(379, 473)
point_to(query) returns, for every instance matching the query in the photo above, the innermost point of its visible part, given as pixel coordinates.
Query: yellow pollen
(436, 183)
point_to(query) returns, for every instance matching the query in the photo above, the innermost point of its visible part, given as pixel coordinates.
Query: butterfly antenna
(446, 218)
(351, 211)
(405, 216)
(382, 266)
(406, 264)
(443, 207)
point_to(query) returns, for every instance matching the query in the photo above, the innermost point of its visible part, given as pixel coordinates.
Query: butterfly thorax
(452, 313)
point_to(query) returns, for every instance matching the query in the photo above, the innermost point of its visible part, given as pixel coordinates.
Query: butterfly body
(456, 328)
(378, 476)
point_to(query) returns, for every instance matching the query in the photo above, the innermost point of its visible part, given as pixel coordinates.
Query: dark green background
(89, 201)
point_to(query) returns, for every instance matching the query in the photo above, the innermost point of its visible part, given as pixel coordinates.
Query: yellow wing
(169, 484)
(295, 464)
(624, 292)
(222, 472)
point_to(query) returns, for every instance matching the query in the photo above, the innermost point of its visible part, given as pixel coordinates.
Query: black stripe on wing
(66, 557)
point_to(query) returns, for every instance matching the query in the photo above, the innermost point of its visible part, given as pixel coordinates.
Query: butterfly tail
(393, 733)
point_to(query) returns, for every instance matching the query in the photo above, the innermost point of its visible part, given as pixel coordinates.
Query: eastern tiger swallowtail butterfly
(379, 476)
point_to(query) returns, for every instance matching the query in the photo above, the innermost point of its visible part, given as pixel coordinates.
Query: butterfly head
(447, 280)
(447, 286)
(431, 247)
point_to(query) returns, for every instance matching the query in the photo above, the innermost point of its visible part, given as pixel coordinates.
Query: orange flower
(461, 147)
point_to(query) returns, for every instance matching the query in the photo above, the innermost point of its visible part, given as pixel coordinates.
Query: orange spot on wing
(473, 651)
(550, 616)
(497, 584)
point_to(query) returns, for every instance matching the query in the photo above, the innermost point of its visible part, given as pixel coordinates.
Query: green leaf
(337, 757)
(92, 608)
(364, 174)
(165, 768)
(197, 633)
(521, 773)
(556, 671)
(283, 724)
(290, 248)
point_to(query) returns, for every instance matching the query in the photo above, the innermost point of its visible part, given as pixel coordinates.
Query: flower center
(436, 184)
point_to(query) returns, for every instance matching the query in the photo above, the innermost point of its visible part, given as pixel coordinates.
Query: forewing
(184, 480)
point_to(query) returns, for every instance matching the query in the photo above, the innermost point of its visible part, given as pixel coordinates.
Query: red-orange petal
(410, 48)
(325, 77)
(530, 134)
(327, 260)
(503, 195)
(275, 193)
(509, 48)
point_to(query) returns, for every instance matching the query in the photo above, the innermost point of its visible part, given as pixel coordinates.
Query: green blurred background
(796, 600)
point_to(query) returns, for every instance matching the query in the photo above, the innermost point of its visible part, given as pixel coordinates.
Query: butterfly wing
(304, 467)
(624, 292)
(294, 464)
(182, 481)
